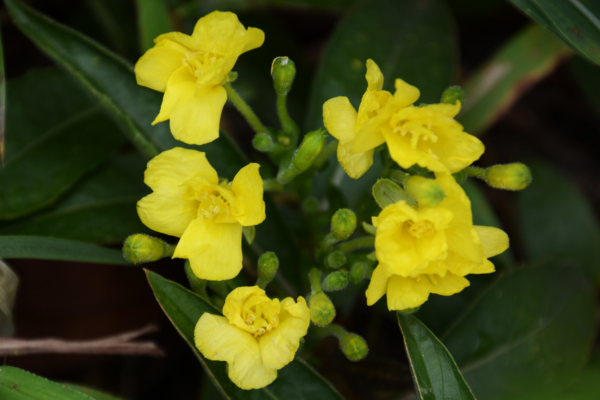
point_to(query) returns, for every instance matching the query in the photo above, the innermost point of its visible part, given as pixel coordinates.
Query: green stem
(331, 330)
(314, 276)
(327, 151)
(289, 127)
(244, 109)
(476, 172)
(327, 244)
(360, 243)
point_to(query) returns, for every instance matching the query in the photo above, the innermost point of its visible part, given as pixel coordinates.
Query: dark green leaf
(586, 385)
(101, 209)
(436, 375)
(586, 75)
(54, 136)
(414, 41)
(153, 20)
(525, 60)
(312, 4)
(58, 249)
(529, 334)
(2, 102)
(93, 393)
(575, 22)
(16, 384)
(184, 308)
(558, 221)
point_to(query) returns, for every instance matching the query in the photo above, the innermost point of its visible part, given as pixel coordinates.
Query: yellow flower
(189, 202)
(425, 135)
(257, 336)
(190, 71)
(430, 249)
(342, 121)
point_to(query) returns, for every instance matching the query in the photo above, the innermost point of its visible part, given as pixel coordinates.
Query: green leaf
(58, 249)
(558, 222)
(153, 20)
(586, 385)
(436, 375)
(50, 145)
(2, 102)
(101, 209)
(585, 75)
(525, 60)
(93, 393)
(529, 334)
(16, 384)
(575, 22)
(184, 308)
(413, 41)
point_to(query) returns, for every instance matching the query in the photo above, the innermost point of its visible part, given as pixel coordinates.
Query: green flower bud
(141, 248)
(358, 272)
(452, 94)
(460, 177)
(198, 285)
(387, 192)
(427, 192)
(268, 264)
(322, 311)
(312, 145)
(354, 347)
(410, 310)
(232, 77)
(515, 176)
(262, 142)
(249, 233)
(335, 281)
(343, 224)
(283, 72)
(336, 259)
(370, 229)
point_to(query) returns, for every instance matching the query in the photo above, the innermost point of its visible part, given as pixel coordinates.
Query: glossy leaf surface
(16, 384)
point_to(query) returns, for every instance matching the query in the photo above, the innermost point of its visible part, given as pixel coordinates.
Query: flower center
(419, 229)
(212, 203)
(418, 129)
(260, 317)
(198, 60)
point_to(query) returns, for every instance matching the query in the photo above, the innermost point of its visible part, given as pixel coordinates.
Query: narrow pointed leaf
(153, 20)
(16, 384)
(184, 308)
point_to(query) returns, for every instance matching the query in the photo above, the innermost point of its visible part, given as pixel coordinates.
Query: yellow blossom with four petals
(190, 71)
(257, 336)
(189, 201)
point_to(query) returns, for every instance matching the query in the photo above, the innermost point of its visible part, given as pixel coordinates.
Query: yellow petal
(172, 168)
(180, 87)
(254, 39)
(456, 149)
(355, 164)
(339, 118)
(219, 341)
(374, 76)
(486, 268)
(214, 250)
(156, 66)
(401, 150)
(448, 285)
(167, 212)
(405, 94)
(494, 240)
(405, 293)
(235, 300)
(279, 346)
(248, 189)
(186, 41)
(222, 32)
(378, 285)
(369, 135)
(448, 110)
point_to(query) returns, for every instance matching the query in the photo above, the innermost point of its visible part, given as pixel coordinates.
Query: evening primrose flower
(190, 71)
(189, 202)
(430, 249)
(257, 336)
(343, 122)
(425, 135)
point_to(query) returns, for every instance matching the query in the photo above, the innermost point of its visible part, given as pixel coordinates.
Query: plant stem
(314, 276)
(244, 109)
(327, 151)
(331, 330)
(288, 125)
(350, 246)
(476, 172)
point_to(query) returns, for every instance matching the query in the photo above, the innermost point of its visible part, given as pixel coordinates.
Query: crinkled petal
(222, 32)
(339, 118)
(279, 346)
(186, 41)
(405, 94)
(494, 240)
(248, 189)
(254, 39)
(456, 149)
(219, 341)
(378, 285)
(180, 88)
(486, 268)
(448, 285)
(404, 293)
(374, 76)
(156, 66)
(214, 249)
(356, 164)
(401, 150)
(448, 110)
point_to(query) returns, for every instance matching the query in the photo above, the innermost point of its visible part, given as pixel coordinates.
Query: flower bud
(336, 259)
(335, 281)
(515, 176)
(283, 72)
(354, 347)
(249, 233)
(198, 285)
(141, 248)
(312, 145)
(427, 192)
(322, 311)
(268, 264)
(262, 142)
(343, 224)
(454, 93)
(387, 192)
(358, 272)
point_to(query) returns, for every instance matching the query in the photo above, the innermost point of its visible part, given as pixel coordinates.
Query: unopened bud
(198, 285)
(454, 93)
(410, 310)
(354, 347)
(387, 192)
(515, 176)
(336, 259)
(335, 281)
(262, 142)
(232, 77)
(358, 272)
(268, 264)
(283, 72)
(322, 311)
(343, 224)
(427, 192)
(140, 248)
(312, 145)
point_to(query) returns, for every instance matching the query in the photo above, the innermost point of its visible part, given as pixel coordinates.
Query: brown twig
(116, 344)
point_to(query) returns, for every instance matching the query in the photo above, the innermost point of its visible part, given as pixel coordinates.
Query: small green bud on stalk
(268, 263)
(343, 224)
(358, 272)
(515, 176)
(262, 142)
(454, 93)
(322, 311)
(387, 192)
(141, 248)
(354, 347)
(198, 285)
(335, 281)
(283, 71)
(336, 259)
(427, 192)
(232, 77)
(312, 145)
